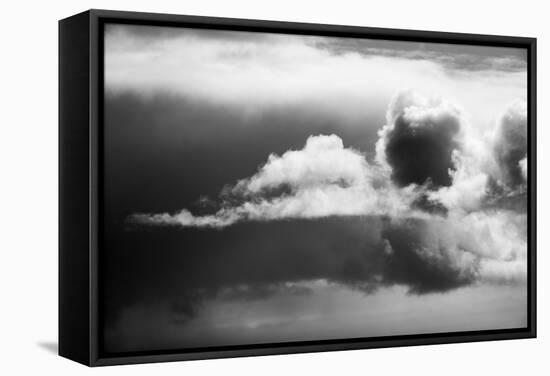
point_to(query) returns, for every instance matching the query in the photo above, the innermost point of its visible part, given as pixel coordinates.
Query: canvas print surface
(269, 188)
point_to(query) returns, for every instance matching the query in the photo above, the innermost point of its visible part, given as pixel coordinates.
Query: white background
(28, 186)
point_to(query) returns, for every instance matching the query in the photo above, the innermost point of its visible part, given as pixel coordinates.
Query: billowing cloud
(467, 191)
(510, 144)
(323, 161)
(322, 179)
(419, 139)
(429, 159)
(490, 165)
(425, 162)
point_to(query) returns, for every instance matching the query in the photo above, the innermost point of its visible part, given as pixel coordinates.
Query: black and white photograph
(269, 188)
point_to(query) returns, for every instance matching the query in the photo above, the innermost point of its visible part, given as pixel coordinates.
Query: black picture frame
(80, 184)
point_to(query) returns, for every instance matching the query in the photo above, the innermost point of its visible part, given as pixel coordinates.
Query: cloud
(425, 259)
(470, 176)
(256, 72)
(490, 165)
(184, 218)
(499, 239)
(439, 253)
(510, 144)
(323, 161)
(461, 58)
(322, 179)
(419, 139)
(257, 260)
(429, 161)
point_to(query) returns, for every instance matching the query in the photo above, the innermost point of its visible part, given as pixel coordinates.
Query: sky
(264, 188)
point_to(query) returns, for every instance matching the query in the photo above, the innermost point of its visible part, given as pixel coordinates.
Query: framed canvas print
(235, 187)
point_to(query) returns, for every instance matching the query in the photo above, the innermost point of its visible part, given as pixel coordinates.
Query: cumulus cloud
(467, 191)
(322, 179)
(323, 161)
(470, 176)
(510, 144)
(429, 158)
(490, 165)
(419, 139)
(425, 162)
(431, 142)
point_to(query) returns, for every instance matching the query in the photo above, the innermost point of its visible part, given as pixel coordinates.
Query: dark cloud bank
(454, 58)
